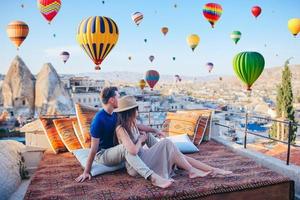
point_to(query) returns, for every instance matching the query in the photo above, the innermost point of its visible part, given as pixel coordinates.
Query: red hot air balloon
(256, 10)
(152, 78)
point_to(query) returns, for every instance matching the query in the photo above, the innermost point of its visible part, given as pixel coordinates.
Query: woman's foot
(194, 173)
(216, 171)
(160, 181)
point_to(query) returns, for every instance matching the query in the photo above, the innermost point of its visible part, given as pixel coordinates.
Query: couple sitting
(116, 137)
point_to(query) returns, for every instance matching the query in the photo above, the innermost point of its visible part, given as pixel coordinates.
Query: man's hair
(107, 93)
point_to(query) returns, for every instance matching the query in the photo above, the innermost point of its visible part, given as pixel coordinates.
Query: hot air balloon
(256, 10)
(97, 36)
(175, 5)
(103, 2)
(22, 5)
(248, 66)
(17, 32)
(193, 41)
(65, 56)
(142, 84)
(54, 35)
(129, 57)
(209, 66)
(236, 36)
(177, 78)
(220, 78)
(164, 30)
(212, 12)
(294, 26)
(137, 17)
(151, 58)
(145, 40)
(174, 58)
(152, 78)
(49, 8)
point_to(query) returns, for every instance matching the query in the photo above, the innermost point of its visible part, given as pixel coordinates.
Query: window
(79, 100)
(24, 102)
(89, 100)
(94, 99)
(83, 100)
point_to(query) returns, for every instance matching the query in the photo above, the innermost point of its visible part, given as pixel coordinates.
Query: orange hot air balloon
(164, 30)
(17, 32)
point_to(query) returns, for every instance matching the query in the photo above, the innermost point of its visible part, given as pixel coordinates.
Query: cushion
(79, 134)
(85, 115)
(183, 143)
(97, 169)
(52, 135)
(66, 132)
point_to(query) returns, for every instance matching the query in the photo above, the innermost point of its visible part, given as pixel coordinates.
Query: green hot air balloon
(236, 36)
(248, 66)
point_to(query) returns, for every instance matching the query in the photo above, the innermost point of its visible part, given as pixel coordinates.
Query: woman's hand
(83, 177)
(143, 137)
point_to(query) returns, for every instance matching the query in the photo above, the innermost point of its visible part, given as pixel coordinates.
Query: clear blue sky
(215, 45)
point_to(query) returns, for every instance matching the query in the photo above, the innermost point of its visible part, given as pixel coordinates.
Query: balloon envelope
(142, 84)
(164, 30)
(65, 56)
(209, 66)
(137, 17)
(17, 32)
(294, 26)
(248, 66)
(49, 8)
(256, 10)
(152, 78)
(151, 58)
(236, 36)
(97, 36)
(193, 41)
(212, 12)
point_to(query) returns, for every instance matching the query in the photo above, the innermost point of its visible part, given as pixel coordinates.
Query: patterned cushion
(85, 115)
(50, 131)
(79, 134)
(66, 132)
(183, 143)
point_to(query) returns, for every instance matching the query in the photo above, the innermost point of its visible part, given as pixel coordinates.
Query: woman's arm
(148, 129)
(124, 138)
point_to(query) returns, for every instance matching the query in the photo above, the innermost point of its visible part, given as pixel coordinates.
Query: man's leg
(118, 154)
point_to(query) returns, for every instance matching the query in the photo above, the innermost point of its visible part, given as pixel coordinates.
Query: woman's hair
(126, 120)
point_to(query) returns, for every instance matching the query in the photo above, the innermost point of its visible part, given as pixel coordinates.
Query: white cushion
(183, 143)
(82, 156)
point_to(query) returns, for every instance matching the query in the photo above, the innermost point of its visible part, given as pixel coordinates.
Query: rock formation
(18, 89)
(51, 98)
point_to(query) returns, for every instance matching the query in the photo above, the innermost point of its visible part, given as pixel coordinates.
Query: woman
(163, 156)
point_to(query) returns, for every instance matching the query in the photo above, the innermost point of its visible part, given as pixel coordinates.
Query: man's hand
(160, 134)
(83, 177)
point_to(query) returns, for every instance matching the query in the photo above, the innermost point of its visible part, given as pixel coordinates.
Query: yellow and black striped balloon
(97, 36)
(17, 32)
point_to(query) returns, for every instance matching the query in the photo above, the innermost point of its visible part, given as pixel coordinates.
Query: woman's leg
(180, 160)
(202, 166)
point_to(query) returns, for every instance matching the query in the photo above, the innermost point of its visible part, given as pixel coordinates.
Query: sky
(268, 35)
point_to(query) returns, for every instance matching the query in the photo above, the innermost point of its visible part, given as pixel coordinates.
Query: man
(103, 149)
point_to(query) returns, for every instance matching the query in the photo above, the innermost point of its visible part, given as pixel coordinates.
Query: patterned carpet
(55, 176)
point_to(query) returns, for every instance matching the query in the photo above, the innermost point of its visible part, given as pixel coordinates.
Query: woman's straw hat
(126, 103)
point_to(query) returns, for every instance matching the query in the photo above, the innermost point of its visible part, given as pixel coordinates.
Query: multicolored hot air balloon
(294, 26)
(236, 36)
(49, 8)
(137, 17)
(256, 10)
(152, 78)
(17, 32)
(193, 41)
(212, 12)
(142, 84)
(151, 58)
(164, 30)
(97, 36)
(248, 66)
(209, 66)
(65, 56)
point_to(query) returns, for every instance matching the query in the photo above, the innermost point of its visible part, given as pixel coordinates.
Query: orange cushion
(52, 135)
(66, 132)
(79, 134)
(85, 115)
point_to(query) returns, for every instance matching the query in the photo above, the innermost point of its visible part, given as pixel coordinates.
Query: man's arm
(148, 129)
(86, 173)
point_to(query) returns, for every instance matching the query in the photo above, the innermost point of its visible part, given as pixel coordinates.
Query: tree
(284, 104)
